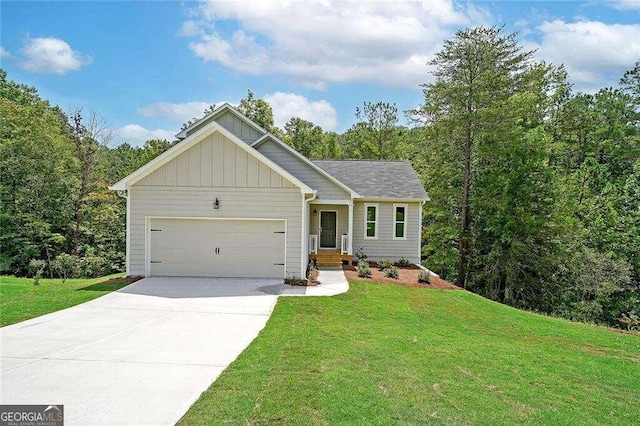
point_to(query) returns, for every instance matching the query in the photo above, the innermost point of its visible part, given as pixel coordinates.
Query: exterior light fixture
(216, 204)
(315, 212)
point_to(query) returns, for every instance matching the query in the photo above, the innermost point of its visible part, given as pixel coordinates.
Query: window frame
(396, 221)
(376, 221)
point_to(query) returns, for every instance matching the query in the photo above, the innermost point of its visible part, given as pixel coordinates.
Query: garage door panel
(247, 248)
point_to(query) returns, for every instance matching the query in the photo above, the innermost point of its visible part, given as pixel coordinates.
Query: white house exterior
(232, 200)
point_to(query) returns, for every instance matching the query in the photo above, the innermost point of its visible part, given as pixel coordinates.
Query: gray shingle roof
(376, 178)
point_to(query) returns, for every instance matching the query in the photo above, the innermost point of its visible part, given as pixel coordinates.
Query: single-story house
(232, 200)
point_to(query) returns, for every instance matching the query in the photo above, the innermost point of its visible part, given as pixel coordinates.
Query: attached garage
(252, 248)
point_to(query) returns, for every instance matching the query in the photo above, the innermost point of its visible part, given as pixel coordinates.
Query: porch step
(329, 258)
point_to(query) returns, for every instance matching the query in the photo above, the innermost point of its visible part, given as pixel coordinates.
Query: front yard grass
(384, 354)
(20, 300)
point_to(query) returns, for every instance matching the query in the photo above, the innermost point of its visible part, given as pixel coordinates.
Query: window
(371, 221)
(399, 221)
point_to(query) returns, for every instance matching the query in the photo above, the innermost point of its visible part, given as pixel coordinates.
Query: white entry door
(216, 248)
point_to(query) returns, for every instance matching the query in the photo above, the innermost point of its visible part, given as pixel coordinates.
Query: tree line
(535, 189)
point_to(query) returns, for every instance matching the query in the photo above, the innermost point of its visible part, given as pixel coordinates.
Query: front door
(328, 229)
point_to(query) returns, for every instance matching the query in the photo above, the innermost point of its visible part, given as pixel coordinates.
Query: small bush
(92, 266)
(423, 277)
(364, 271)
(66, 266)
(312, 271)
(36, 268)
(360, 254)
(404, 262)
(384, 264)
(293, 280)
(391, 272)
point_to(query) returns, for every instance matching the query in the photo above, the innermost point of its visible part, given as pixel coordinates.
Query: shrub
(36, 268)
(66, 266)
(364, 271)
(404, 262)
(312, 271)
(423, 277)
(391, 272)
(92, 266)
(360, 254)
(293, 280)
(384, 264)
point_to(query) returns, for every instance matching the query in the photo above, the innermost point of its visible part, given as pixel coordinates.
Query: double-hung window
(400, 221)
(371, 221)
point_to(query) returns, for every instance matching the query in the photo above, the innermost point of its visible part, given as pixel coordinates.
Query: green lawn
(385, 354)
(21, 300)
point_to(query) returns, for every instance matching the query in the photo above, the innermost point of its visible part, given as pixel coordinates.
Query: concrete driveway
(141, 355)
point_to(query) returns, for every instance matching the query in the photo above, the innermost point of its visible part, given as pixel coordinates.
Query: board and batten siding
(327, 190)
(235, 125)
(188, 185)
(385, 247)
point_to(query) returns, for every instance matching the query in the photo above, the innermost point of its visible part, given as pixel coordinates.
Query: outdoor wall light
(216, 204)
(315, 212)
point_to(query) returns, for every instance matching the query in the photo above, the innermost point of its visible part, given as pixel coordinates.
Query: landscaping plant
(391, 272)
(364, 271)
(384, 264)
(36, 267)
(404, 262)
(423, 277)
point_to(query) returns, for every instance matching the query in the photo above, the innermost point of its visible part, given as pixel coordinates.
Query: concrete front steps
(331, 258)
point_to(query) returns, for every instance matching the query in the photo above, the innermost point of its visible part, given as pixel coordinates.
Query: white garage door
(217, 248)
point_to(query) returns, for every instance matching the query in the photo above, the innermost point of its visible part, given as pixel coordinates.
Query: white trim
(350, 229)
(332, 202)
(405, 221)
(147, 231)
(377, 222)
(305, 160)
(215, 114)
(128, 235)
(194, 139)
(420, 234)
(392, 200)
(335, 246)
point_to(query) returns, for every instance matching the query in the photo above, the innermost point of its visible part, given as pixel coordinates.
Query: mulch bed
(408, 276)
(124, 280)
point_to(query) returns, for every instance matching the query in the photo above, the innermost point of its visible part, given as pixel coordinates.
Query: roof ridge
(361, 159)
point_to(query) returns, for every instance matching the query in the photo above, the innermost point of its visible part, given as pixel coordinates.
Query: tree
(90, 136)
(208, 110)
(476, 73)
(257, 110)
(304, 136)
(375, 135)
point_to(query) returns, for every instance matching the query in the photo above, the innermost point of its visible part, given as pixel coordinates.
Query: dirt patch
(124, 280)
(408, 276)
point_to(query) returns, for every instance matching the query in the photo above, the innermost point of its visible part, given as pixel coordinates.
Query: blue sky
(147, 67)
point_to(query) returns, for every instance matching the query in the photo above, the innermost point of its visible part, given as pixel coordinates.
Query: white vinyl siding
(385, 246)
(370, 220)
(400, 221)
(327, 190)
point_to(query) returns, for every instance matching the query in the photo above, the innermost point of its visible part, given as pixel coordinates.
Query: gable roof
(320, 170)
(193, 139)
(225, 107)
(377, 178)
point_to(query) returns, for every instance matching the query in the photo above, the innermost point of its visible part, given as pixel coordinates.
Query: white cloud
(593, 52)
(175, 112)
(4, 53)
(334, 41)
(51, 55)
(287, 105)
(135, 134)
(625, 4)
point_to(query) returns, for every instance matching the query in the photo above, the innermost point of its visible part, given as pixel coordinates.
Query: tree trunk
(466, 183)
